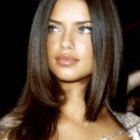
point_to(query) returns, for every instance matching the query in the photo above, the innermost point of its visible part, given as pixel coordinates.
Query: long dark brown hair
(38, 109)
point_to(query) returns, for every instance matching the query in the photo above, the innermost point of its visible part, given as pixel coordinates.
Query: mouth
(66, 60)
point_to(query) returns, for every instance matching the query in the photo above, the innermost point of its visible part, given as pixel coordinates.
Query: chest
(92, 132)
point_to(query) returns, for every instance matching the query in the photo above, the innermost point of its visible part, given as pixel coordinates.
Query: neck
(74, 108)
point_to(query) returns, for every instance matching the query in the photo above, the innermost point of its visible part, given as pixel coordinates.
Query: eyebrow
(77, 22)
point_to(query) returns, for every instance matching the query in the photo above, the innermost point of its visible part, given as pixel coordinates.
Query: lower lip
(66, 62)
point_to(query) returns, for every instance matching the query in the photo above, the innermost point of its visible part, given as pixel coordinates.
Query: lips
(66, 60)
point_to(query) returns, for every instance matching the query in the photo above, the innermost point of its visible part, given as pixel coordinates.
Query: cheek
(49, 49)
(51, 42)
(52, 49)
(86, 53)
(84, 47)
(52, 45)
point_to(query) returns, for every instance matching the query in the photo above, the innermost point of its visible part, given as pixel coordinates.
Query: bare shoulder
(4, 135)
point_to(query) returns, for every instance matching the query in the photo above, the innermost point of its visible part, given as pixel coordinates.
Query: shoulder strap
(131, 122)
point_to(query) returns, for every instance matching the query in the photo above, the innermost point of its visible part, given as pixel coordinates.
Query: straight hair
(37, 111)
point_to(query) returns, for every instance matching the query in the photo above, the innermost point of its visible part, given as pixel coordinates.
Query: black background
(15, 22)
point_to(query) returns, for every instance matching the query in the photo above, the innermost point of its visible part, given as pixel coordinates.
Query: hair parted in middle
(42, 95)
(107, 49)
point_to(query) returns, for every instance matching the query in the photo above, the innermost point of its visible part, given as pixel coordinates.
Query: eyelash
(81, 29)
(53, 28)
(85, 29)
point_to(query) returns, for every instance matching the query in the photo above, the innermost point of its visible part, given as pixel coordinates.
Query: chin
(72, 79)
(67, 79)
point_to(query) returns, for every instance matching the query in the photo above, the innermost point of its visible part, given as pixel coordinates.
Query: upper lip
(66, 57)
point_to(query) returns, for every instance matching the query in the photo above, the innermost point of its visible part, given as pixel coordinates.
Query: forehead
(70, 9)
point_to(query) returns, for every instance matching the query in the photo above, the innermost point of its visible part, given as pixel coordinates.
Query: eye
(53, 28)
(85, 29)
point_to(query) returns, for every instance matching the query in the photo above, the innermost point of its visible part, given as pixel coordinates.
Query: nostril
(66, 47)
(67, 40)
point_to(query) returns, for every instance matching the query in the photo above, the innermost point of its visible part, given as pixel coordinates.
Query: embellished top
(130, 121)
(132, 124)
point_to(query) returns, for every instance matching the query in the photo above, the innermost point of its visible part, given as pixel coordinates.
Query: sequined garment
(132, 124)
(130, 121)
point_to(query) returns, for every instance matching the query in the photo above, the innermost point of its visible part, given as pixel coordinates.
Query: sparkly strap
(115, 134)
(131, 122)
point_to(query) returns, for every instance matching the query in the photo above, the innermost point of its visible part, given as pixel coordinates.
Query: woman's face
(69, 47)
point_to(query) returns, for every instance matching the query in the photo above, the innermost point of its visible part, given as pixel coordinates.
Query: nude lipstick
(64, 60)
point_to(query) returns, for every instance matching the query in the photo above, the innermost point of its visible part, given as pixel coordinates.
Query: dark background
(15, 22)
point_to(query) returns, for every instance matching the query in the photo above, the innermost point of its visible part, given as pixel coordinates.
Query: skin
(71, 60)
(133, 80)
(70, 38)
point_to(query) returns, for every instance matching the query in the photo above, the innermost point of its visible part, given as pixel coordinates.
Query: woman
(74, 60)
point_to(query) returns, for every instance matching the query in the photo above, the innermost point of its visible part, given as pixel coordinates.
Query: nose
(67, 42)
